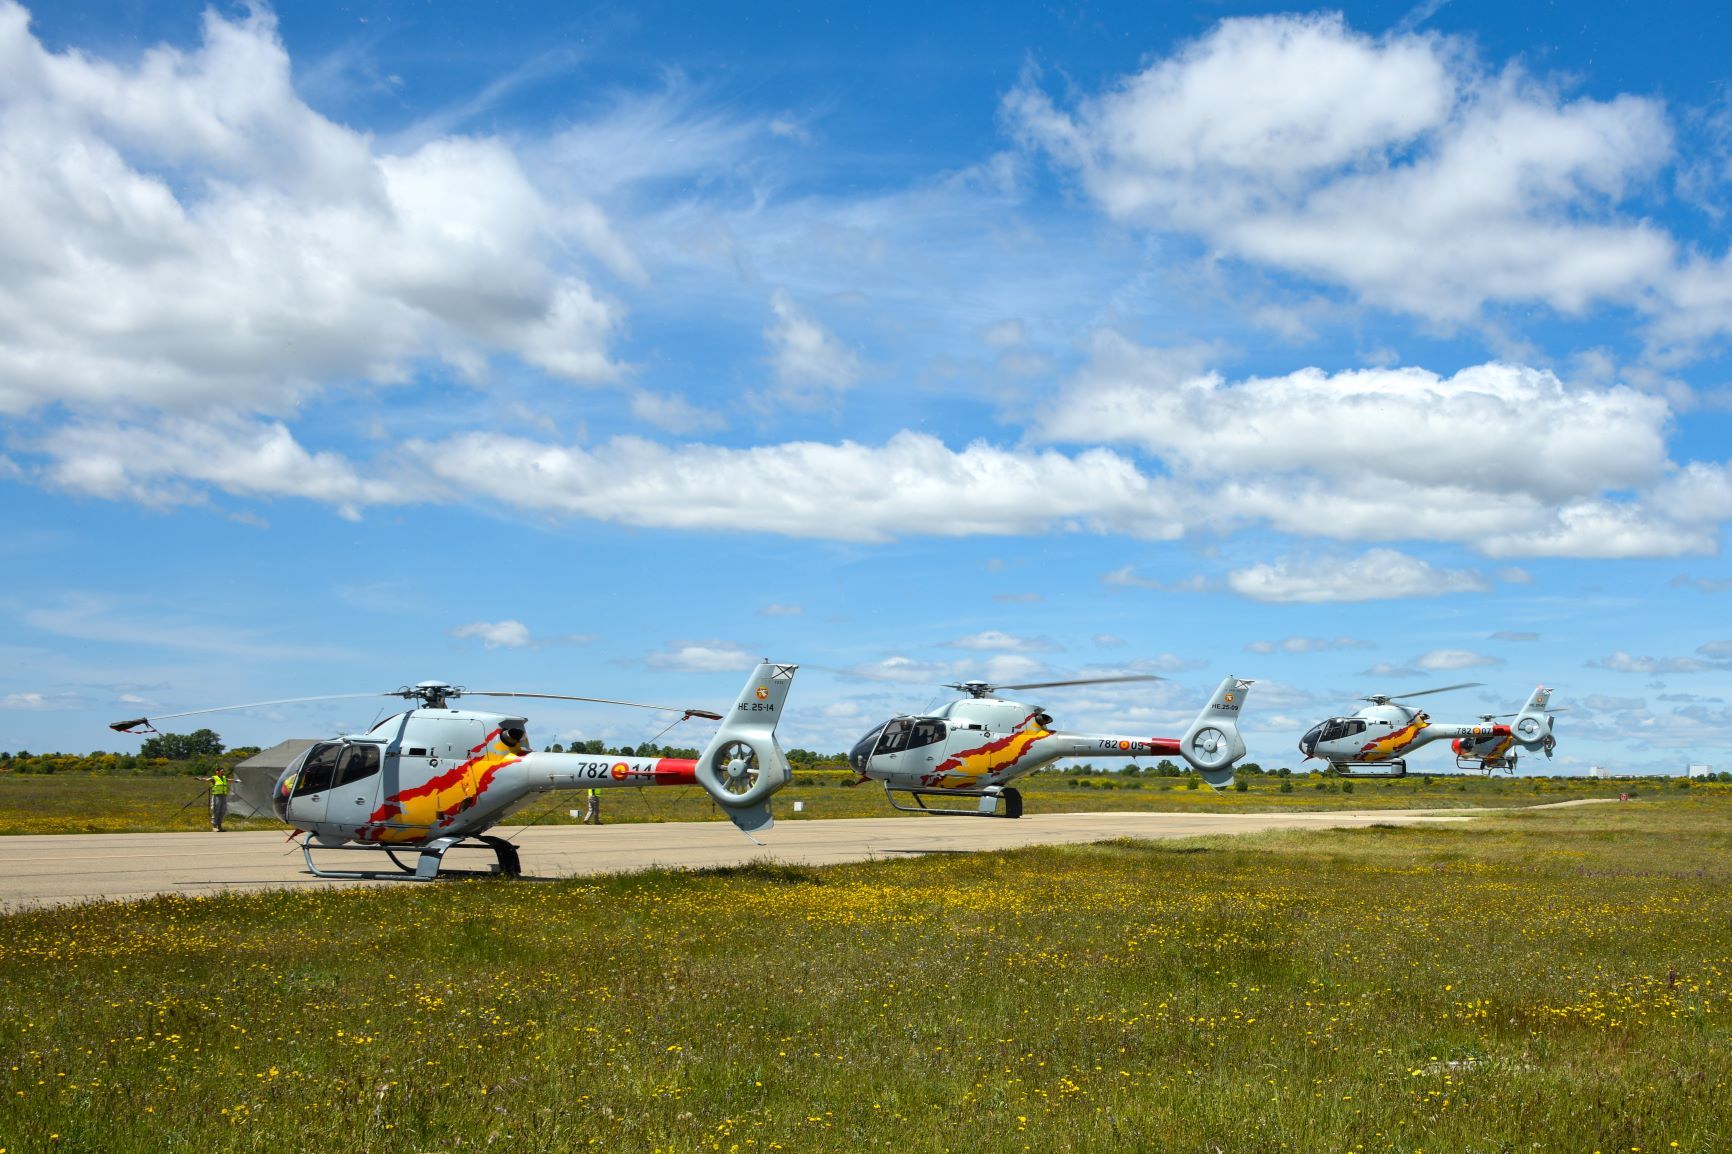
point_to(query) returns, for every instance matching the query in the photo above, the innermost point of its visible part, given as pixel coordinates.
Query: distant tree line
(1165, 768)
(198, 752)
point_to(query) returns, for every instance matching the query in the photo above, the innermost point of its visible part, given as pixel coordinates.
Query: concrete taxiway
(59, 870)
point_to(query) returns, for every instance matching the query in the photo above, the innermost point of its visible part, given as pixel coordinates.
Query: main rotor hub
(431, 694)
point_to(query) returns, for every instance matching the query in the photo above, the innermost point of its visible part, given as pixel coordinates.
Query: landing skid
(987, 807)
(427, 866)
(1379, 769)
(1487, 767)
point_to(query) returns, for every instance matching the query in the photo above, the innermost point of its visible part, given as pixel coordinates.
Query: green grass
(96, 803)
(100, 803)
(1545, 980)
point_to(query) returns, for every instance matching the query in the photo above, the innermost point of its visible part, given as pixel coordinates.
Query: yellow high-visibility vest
(219, 785)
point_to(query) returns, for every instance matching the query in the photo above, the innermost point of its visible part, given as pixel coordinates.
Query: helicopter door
(354, 792)
(925, 744)
(307, 803)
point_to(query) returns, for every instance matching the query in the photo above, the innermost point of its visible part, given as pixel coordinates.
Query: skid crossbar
(427, 866)
(1383, 769)
(987, 804)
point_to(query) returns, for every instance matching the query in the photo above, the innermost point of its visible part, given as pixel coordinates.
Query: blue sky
(607, 350)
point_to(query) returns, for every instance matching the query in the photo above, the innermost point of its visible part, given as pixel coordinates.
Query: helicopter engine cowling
(743, 765)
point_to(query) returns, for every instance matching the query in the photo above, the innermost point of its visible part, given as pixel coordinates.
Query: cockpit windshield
(895, 738)
(862, 751)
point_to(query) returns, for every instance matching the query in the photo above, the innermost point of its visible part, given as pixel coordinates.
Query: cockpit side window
(925, 733)
(895, 738)
(1336, 727)
(319, 768)
(1354, 726)
(359, 761)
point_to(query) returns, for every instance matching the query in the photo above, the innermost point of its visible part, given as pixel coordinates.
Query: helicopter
(435, 777)
(1490, 754)
(1379, 735)
(976, 746)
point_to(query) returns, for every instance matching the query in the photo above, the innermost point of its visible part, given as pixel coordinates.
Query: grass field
(95, 803)
(1555, 980)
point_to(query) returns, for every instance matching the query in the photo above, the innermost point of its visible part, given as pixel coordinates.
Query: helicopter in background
(976, 746)
(436, 777)
(1380, 735)
(1490, 754)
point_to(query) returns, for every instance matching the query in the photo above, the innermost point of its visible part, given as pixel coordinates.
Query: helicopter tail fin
(742, 766)
(1213, 744)
(1533, 725)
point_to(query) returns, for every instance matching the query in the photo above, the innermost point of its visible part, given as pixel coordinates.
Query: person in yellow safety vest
(219, 798)
(592, 814)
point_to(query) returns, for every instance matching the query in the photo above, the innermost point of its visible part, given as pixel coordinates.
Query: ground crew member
(219, 798)
(592, 814)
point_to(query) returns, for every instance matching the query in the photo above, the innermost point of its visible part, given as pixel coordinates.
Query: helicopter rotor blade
(1082, 681)
(134, 723)
(1439, 689)
(1498, 716)
(703, 713)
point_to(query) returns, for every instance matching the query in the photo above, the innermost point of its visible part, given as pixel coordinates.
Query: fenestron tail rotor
(986, 689)
(736, 765)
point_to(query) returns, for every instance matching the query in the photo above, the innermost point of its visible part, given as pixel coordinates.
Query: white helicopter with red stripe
(436, 777)
(1375, 741)
(977, 746)
(1502, 750)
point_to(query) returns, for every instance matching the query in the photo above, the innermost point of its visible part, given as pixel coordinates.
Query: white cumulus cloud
(1621, 662)
(1397, 166)
(841, 491)
(172, 459)
(813, 366)
(995, 640)
(1296, 645)
(1441, 659)
(183, 231)
(1512, 460)
(702, 657)
(496, 634)
(1378, 574)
